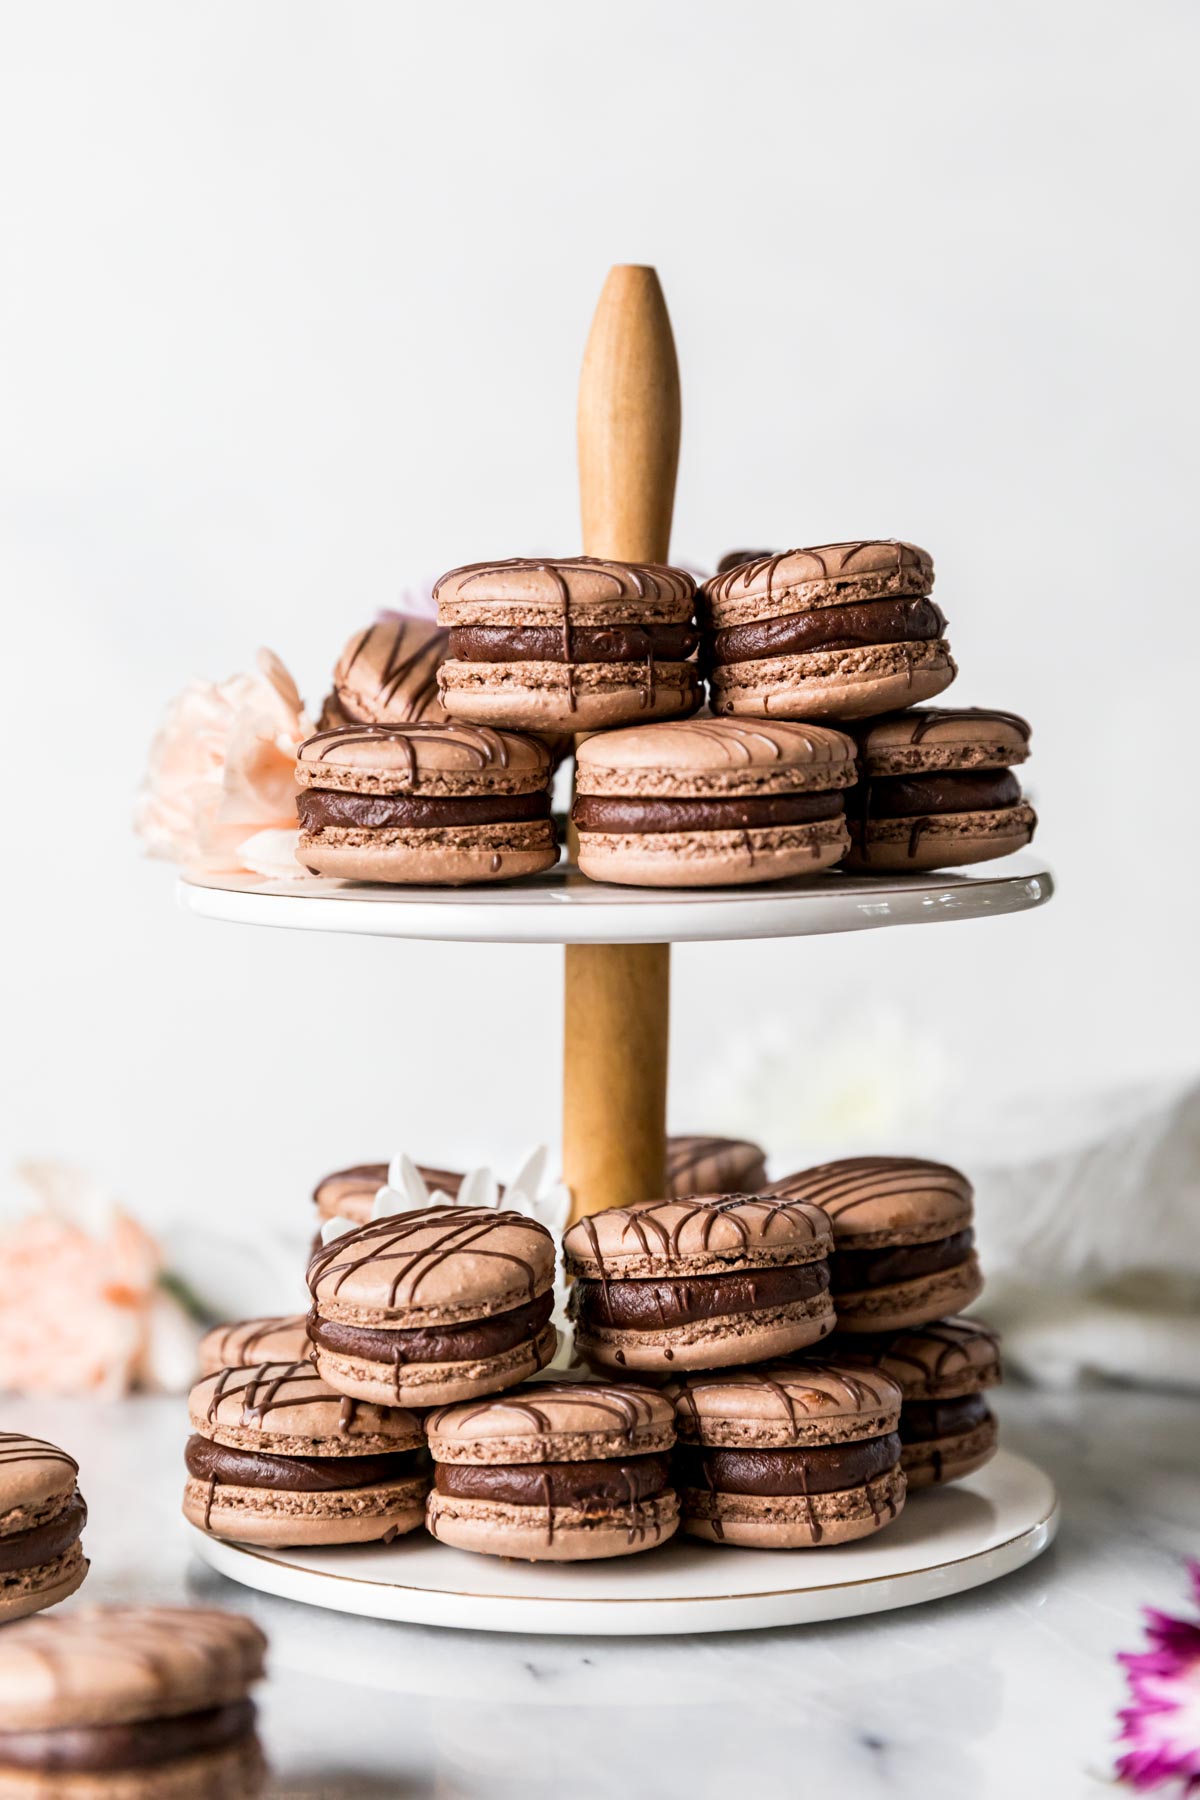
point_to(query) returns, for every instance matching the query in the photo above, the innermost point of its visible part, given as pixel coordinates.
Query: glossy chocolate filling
(82, 1749)
(923, 1420)
(573, 643)
(920, 796)
(612, 1482)
(664, 1302)
(298, 1474)
(821, 1469)
(319, 808)
(434, 1343)
(831, 628)
(602, 812)
(855, 1269)
(42, 1543)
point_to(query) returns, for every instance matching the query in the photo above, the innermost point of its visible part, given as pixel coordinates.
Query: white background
(292, 301)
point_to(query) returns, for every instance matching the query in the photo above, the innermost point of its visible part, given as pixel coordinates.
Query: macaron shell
(565, 1534)
(671, 859)
(939, 840)
(440, 761)
(577, 1421)
(835, 684)
(709, 758)
(436, 1384)
(720, 1343)
(702, 1234)
(286, 1409)
(245, 1343)
(441, 1265)
(27, 1591)
(794, 1522)
(711, 1165)
(939, 1361)
(456, 856)
(877, 1201)
(237, 1772)
(823, 575)
(586, 590)
(265, 1516)
(916, 1302)
(924, 740)
(34, 1476)
(387, 674)
(777, 1405)
(546, 696)
(949, 1458)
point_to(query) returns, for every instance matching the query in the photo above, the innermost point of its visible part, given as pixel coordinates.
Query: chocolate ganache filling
(612, 1482)
(667, 1301)
(579, 644)
(298, 1474)
(819, 1469)
(923, 1420)
(42, 1543)
(602, 812)
(434, 1343)
(81, 1749)
(855, 1269)
(831, 628)
(921, 796)
(320, 808)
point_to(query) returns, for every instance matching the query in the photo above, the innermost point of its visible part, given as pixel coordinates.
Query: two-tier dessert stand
(617, 989)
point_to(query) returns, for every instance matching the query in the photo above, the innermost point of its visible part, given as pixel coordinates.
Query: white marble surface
(1007, 1691)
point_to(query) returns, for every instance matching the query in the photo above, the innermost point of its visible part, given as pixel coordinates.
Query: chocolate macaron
(714, 1165)
(937, 789)
(432, 1306)
(947, 1428)
(42, 1514)
(247, 1343)
(555, 1472)
(711, 802)
(387, 675)
(789, 1455)
(131, 1703)
(350, 1193)
(698, 1283)
(276, 1457)
(840, 631)
(569, 645)
(437, 804)
(905, 1246)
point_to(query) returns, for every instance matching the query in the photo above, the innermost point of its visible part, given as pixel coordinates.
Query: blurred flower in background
(1163, 1724)
(220, 788)
(85, 1304)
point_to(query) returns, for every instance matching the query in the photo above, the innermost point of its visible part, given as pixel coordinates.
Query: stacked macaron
(248, 1343)
(947, 1429)
(350, 1193)
(387, 675)
(42, 1515)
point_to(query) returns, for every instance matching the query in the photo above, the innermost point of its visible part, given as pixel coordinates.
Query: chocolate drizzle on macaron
(698, 1283)
(42, 1516)
(714, 1165)
(387, 675)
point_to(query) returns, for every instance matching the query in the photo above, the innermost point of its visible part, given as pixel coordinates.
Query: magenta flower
(1163, 1724)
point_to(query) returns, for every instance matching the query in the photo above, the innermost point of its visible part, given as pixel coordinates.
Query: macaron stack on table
(42, 1516)
(751, 1371)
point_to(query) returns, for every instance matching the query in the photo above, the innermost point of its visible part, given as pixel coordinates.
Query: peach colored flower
(81, 1309)
(220, 789)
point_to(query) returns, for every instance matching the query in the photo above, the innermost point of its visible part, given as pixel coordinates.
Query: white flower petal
(479, 1188)
(529, 1176)
(554, 1208)
(333, 1229)
(406, 1178)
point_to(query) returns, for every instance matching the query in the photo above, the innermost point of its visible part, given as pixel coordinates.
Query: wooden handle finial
(617, 997)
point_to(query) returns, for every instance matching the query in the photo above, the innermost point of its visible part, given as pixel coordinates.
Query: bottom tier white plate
(946, 1540)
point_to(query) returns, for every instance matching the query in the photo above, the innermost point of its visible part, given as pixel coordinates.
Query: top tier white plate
(563, 907)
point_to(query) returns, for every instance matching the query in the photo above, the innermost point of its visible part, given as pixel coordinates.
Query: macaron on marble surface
(247, 1343)
(904, 1242)
(947, 1429)
(350, 1193)
(568, 645)
(427, 1307)
(937, 790)
(712, 802)
(839, 631)
(387, 675)
(432, 804)
(698, 1283)
(130, 1703)
(555, 1472)
(42, 1515)
(276, 1457)
(788, 1455)
(714, 1165)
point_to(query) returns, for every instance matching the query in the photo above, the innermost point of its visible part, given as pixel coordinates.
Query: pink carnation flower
(220, 789)
(1163, 1724)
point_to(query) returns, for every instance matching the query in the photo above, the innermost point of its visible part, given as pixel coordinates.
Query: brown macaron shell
(286, 1460)
(580, 643)
(925, 800)
(889, 1206)
(350, 1193)
(473, 1279)
(42, 1516)
(424, 803)
(942, 1369)
(807, 1451)
(712, 802)
(387, 674)
(698, 1283)
(589, 1460)
(247, 1343)
(714, 1165)
(853, 678)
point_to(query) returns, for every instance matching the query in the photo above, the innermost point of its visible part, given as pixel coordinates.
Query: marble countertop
(1008, 1690)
